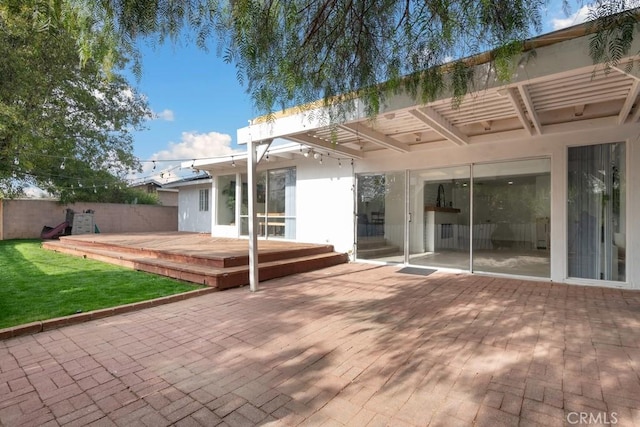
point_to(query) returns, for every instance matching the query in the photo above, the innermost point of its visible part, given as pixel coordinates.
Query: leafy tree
(61, 99)
(291, 52)
(66, 116)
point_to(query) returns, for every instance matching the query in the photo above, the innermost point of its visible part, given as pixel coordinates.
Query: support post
(253, 237)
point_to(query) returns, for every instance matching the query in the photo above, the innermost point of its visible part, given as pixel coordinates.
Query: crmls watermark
(600, 418)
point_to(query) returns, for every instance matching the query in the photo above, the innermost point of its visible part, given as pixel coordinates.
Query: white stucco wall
(190, 218)
(325, 212)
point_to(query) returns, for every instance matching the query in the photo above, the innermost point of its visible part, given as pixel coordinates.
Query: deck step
(198, 269)
(199, 258)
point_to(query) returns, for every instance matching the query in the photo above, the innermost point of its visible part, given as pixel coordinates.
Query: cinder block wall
(24, 218)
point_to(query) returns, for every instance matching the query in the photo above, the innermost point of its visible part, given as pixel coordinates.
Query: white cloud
(165, 114)
(35, 193)
(574, 19)
(193, 145)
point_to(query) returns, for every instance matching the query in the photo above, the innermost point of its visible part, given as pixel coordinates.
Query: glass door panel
(596, 212)
(261, 181)
(439, 217)
(280, 220)
(511, 211)
(380, 212)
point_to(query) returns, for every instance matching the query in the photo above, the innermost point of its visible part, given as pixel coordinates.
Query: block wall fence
(24, 218)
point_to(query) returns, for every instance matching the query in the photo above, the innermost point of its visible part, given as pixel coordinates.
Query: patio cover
(556, 89)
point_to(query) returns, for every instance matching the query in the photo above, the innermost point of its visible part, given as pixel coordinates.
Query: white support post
(253, 237)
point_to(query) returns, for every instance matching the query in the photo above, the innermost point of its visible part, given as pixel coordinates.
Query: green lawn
(37, 284)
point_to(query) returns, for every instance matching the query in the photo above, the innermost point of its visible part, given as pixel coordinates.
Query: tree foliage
(60, 97)
(292, 52)
(66, 116)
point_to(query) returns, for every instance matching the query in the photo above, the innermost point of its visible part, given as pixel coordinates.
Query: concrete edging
(58, 322)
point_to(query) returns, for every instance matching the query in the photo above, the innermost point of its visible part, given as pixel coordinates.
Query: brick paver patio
(349, 345)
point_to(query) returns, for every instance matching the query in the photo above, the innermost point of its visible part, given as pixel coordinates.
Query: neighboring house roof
(193, 180)
(146, 183)
(555, 91)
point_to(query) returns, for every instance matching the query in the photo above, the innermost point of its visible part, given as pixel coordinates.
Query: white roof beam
(513, 97)
(440, 125)
(312, 141)
(531, 109)
(376, 137)
(628, 103)
(622, 71)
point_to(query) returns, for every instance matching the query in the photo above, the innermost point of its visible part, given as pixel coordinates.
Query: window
(204, 200)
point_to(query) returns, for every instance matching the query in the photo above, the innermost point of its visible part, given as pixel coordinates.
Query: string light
(16, 161)
(320, 158)
(233, 162)
(154, 165)
(62, 166)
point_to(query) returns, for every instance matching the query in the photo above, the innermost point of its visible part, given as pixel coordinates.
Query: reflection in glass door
(511, 212)
(439, 217)
(380, 216)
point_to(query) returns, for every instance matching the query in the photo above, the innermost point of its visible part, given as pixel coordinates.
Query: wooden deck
(217, 262)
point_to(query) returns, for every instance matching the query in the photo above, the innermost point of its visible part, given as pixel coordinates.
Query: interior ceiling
(527, 107)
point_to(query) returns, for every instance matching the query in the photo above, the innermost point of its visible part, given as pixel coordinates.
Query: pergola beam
(312, 141)
(440, 125)
(628, 103)
(531, 109)
(375, 137)
(522, 116)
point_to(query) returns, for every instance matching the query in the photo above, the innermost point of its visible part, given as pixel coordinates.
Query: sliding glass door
(275, 204)
(439, 217)
(492, 217)
(596, 212)
(380, 227)
(511, 217)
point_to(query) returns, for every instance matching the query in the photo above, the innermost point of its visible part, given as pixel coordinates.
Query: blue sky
(199, 103)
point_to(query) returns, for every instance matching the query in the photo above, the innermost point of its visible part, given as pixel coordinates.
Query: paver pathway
(349, 345)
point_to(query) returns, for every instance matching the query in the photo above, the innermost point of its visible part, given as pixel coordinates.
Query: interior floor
(534, 263)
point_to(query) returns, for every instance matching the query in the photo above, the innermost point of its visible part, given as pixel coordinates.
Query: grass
(37, 284)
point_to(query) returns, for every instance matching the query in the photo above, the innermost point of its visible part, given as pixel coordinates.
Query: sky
(199, 104)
